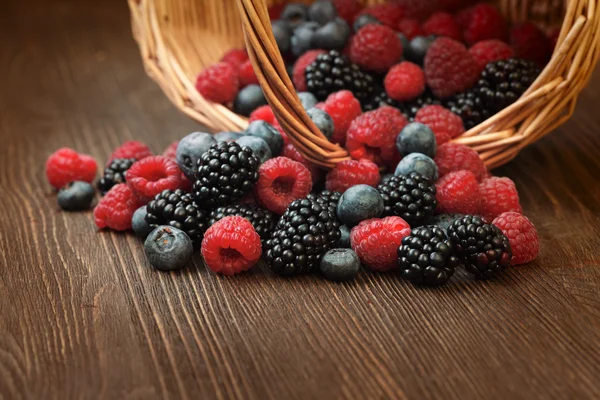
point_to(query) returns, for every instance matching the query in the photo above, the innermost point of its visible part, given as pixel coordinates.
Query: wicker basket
(178, 38)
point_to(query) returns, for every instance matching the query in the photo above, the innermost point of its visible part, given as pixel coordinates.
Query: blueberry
(344, 241)
(417, 49)
(168, 248)
(307, 99)
(340, 265)
(258, 145)
(268, 133)
(227, 136)
(364, 20)
(358, 203)
(416, 138)
(76, 196)
(332, 36)
(249, 99)
(322, 11)
(282, 34)
(295, 14)
(323, 121)
(420, 163)
(190, 149)
(302, 38)
(139, 224)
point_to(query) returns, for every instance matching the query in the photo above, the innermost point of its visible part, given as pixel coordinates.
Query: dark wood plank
(83, 315)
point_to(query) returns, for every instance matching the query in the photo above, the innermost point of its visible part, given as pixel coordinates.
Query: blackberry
(427, 257)
(379, 98)
(114, 174)
(483, 247)
(411, 197)
(332, 72)
(410, 108)
(177, 208)
(305, 232)
(329, 197)
(262, 220)
(469, 107)
(225, 174)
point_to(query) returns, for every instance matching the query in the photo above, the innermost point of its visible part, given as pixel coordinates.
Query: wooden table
(83, 315)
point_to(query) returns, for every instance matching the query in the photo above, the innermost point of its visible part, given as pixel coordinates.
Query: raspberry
(171, 151)
(455, 157)
(376, 241)
(218, 83)
(444, 123)
(522, 236)
(231, 245)
(235, 58)
(275, 11)
(247, 75)
(116, 208)
(405, 81)
(463, 17)
(290, 151)
(343, 108)
(148, 177)
(387, 13)
(498, 195)
(458, 193)
(484, 22)
(281, 181)
(530, 43)
(442, 24)
(298, 74)
(130, 149)
(349, 173)
(410, 28)
(453, 5)
(449, 67)
(263, 113)
(376, 48)
(491, 50)
(398, 119)
(347, 9)
(66, 165)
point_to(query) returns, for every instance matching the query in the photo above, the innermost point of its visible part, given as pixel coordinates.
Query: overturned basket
(178, 38)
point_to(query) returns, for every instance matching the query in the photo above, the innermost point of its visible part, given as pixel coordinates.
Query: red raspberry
(298, 74)
(130, 149)
(452, 157)
(485, 22)
(66, 165)
(349, 173)
(449, 67)
(398, 119)
(405, 81)
(116, 208)
(343, 108)
(264, 113)
(453, 5)
(491, 50)
(530, 43)
(442, 24)
(171, 151)
(444, 123)
(458, 193)
(463, 17)
(281, 181)
(376, 242)
(247, 75)
(148, 177)
(376, 48)
(235, 58)
(388, 14)
(231, 245)
(218, 83)
(498, 195)
(275, 11)
(290, 151)
(522, 236)
(410, 28)
(347, 9)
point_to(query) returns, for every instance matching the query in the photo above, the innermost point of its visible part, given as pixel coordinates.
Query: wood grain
(83, 316)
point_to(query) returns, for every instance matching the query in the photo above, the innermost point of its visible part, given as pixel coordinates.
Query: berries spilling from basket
(458, 54)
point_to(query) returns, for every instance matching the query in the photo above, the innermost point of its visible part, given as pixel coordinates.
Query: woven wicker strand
(178, 38)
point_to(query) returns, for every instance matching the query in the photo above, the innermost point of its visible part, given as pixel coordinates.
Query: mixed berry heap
(393, 84)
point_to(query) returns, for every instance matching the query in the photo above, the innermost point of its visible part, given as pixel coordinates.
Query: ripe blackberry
(226, 173)
(305, 232)
(427, 257)
(483, 247)
(178, 209)
(332, 72)
(411, 197)
(469, 107)
(114, 173)
(262, 220)
(330, 198)
(379, 98)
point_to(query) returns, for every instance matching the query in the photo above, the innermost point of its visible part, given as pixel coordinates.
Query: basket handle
(279, 90)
